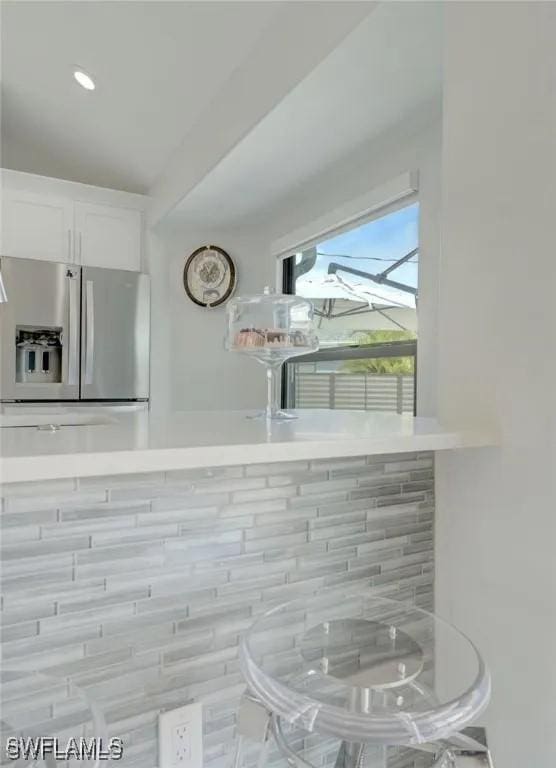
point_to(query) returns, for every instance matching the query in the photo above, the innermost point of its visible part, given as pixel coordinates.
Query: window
(364, 286)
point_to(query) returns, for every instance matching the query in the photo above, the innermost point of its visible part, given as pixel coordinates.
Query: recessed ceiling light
(84, 80)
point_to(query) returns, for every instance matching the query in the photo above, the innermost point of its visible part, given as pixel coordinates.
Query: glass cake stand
(271, 328)
(373, 682)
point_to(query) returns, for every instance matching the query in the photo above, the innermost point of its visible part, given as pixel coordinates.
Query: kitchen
(148, 521)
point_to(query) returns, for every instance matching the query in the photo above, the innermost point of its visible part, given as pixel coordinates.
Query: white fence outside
(357, 391)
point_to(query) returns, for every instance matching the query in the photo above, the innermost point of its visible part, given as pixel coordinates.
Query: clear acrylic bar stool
(357, 681)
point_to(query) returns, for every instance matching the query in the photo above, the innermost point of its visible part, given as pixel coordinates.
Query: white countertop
(138, 442)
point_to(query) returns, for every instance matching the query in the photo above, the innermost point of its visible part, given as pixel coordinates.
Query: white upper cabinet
(57, 220)
(107, 236)
(36, 226)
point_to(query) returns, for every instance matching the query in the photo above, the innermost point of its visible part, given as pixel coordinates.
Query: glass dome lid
(365, 669)
(271, 326)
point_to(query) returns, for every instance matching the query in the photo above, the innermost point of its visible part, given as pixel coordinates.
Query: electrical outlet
(181, 744)
(180, 737)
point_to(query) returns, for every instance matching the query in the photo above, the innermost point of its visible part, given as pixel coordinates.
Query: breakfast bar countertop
(94, 441)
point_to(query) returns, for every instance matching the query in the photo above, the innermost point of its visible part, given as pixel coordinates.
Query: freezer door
(115, 327)
(39, 331)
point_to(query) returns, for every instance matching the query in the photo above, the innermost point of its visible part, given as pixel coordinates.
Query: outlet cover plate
(180, 737)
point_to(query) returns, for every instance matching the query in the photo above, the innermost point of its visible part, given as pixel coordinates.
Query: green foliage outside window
(392, 365)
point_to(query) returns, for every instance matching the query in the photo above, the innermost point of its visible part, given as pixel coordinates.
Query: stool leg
(352, 755)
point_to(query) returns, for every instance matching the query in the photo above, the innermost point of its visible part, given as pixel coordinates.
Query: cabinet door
(107, 236)
(36, 226)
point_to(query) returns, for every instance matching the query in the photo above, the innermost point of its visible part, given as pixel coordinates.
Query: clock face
(209, 276)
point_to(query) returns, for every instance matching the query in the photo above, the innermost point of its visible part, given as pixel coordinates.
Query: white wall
(47, 185)
(413, 146)
(190, 369)
(496, 537)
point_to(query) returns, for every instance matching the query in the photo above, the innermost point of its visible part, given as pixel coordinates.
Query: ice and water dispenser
(38, 355)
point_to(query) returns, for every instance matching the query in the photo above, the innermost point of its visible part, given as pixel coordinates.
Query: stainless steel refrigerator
(70, 333)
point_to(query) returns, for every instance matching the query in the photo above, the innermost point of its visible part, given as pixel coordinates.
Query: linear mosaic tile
(138, 587)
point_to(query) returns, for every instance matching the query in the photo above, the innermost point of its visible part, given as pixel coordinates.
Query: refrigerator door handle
(89, 331)
(73, 331)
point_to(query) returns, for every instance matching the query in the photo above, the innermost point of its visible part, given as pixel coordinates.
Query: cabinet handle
(69, 246)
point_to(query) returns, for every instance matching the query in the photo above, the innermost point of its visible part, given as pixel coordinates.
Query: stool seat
(364, 669)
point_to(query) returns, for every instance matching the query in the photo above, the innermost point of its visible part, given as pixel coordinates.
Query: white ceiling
(157, 66)
(165, 70)
(388, 68)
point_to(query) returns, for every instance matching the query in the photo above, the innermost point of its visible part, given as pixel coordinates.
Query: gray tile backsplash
(138, 587)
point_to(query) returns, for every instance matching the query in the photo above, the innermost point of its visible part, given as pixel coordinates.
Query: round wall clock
(209, 276)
